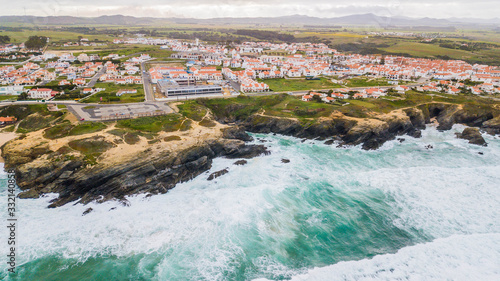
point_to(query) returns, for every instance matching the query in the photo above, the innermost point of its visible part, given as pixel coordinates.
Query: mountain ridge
(368, 19)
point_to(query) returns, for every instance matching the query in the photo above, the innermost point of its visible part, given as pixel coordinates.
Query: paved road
(146, 82)
(96, 77)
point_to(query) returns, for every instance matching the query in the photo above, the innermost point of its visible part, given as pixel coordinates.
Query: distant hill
(293, 20)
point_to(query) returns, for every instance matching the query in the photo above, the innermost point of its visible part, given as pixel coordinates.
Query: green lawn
(109, 95)
(366, 82)
(283, 85)
(8, 97)
(168, 123)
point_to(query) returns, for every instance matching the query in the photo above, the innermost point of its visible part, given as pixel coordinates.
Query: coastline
(116, 168)
(4, 138)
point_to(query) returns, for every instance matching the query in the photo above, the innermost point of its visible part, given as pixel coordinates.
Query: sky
(253, 8)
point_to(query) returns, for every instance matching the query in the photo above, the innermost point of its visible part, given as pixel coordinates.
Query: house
(401, 89)
(41, 93)
(87, 91)
(307, 98)
(360, 96)
(328, 99)
(453, 91)
(79, 81)
(64, 83)
(7, 120)
(126, 91)
(11, 90)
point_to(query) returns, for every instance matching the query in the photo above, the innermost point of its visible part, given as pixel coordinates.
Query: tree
(382, 60)
(35, 42)
(317, 98)
(4, 39)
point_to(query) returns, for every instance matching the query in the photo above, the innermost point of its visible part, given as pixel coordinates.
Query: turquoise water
(331, 213)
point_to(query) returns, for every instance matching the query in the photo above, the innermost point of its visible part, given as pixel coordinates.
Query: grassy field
(283, 85)
(21, 36)
(109, 95)
(168, 123)
(366, 82)
(8, 97)
(129, 49)
(426, 50)
(284, 105)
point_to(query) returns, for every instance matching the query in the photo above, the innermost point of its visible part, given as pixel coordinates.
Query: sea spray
(267, 219)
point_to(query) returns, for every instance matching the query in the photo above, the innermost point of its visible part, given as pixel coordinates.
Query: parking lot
(119, 111)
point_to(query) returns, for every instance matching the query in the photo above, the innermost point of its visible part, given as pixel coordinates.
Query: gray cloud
(243, 8)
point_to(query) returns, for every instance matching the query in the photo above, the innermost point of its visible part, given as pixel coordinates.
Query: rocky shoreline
(373, 132)
(158, 173)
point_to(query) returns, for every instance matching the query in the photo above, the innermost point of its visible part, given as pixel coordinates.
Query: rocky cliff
(151, 174)
(44, 168)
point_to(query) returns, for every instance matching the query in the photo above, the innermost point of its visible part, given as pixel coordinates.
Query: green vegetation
(186, 125)
(21, 111)
(9, 129)
(92, 148)
(168, 123)
(366, 82)
(240, 108)
(109, 95)
(266, 35)
(66, 129)
(284, 85)
(207, 123)
(191, 109)
(32, 117)
(172, 138)
(34, 122)
(35, 42)
(131, 138)
(58, 131)
(87, 128)
(7, 97)
(4, 39)
(117, 132)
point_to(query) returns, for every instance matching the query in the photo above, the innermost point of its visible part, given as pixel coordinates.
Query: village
(249, 67)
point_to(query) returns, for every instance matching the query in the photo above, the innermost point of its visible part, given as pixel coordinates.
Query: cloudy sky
(253, 8)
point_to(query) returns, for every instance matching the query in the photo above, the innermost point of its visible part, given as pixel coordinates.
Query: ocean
(402, 212)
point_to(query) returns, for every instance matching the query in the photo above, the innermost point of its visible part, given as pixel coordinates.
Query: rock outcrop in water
(473, 136)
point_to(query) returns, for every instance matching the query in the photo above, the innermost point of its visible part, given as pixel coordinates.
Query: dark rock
(415, 133)
(236, 133)
(329, 142)
(240, 162)
(146, 174)
(114, 208)
(30, 193)
(480, 153)
(217, 174)
(284, 160)
(401, 139)
(429, 146)
(473, 136)
(65, 174)
(87, 211)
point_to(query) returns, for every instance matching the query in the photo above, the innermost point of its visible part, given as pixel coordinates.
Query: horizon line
(291, 15)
